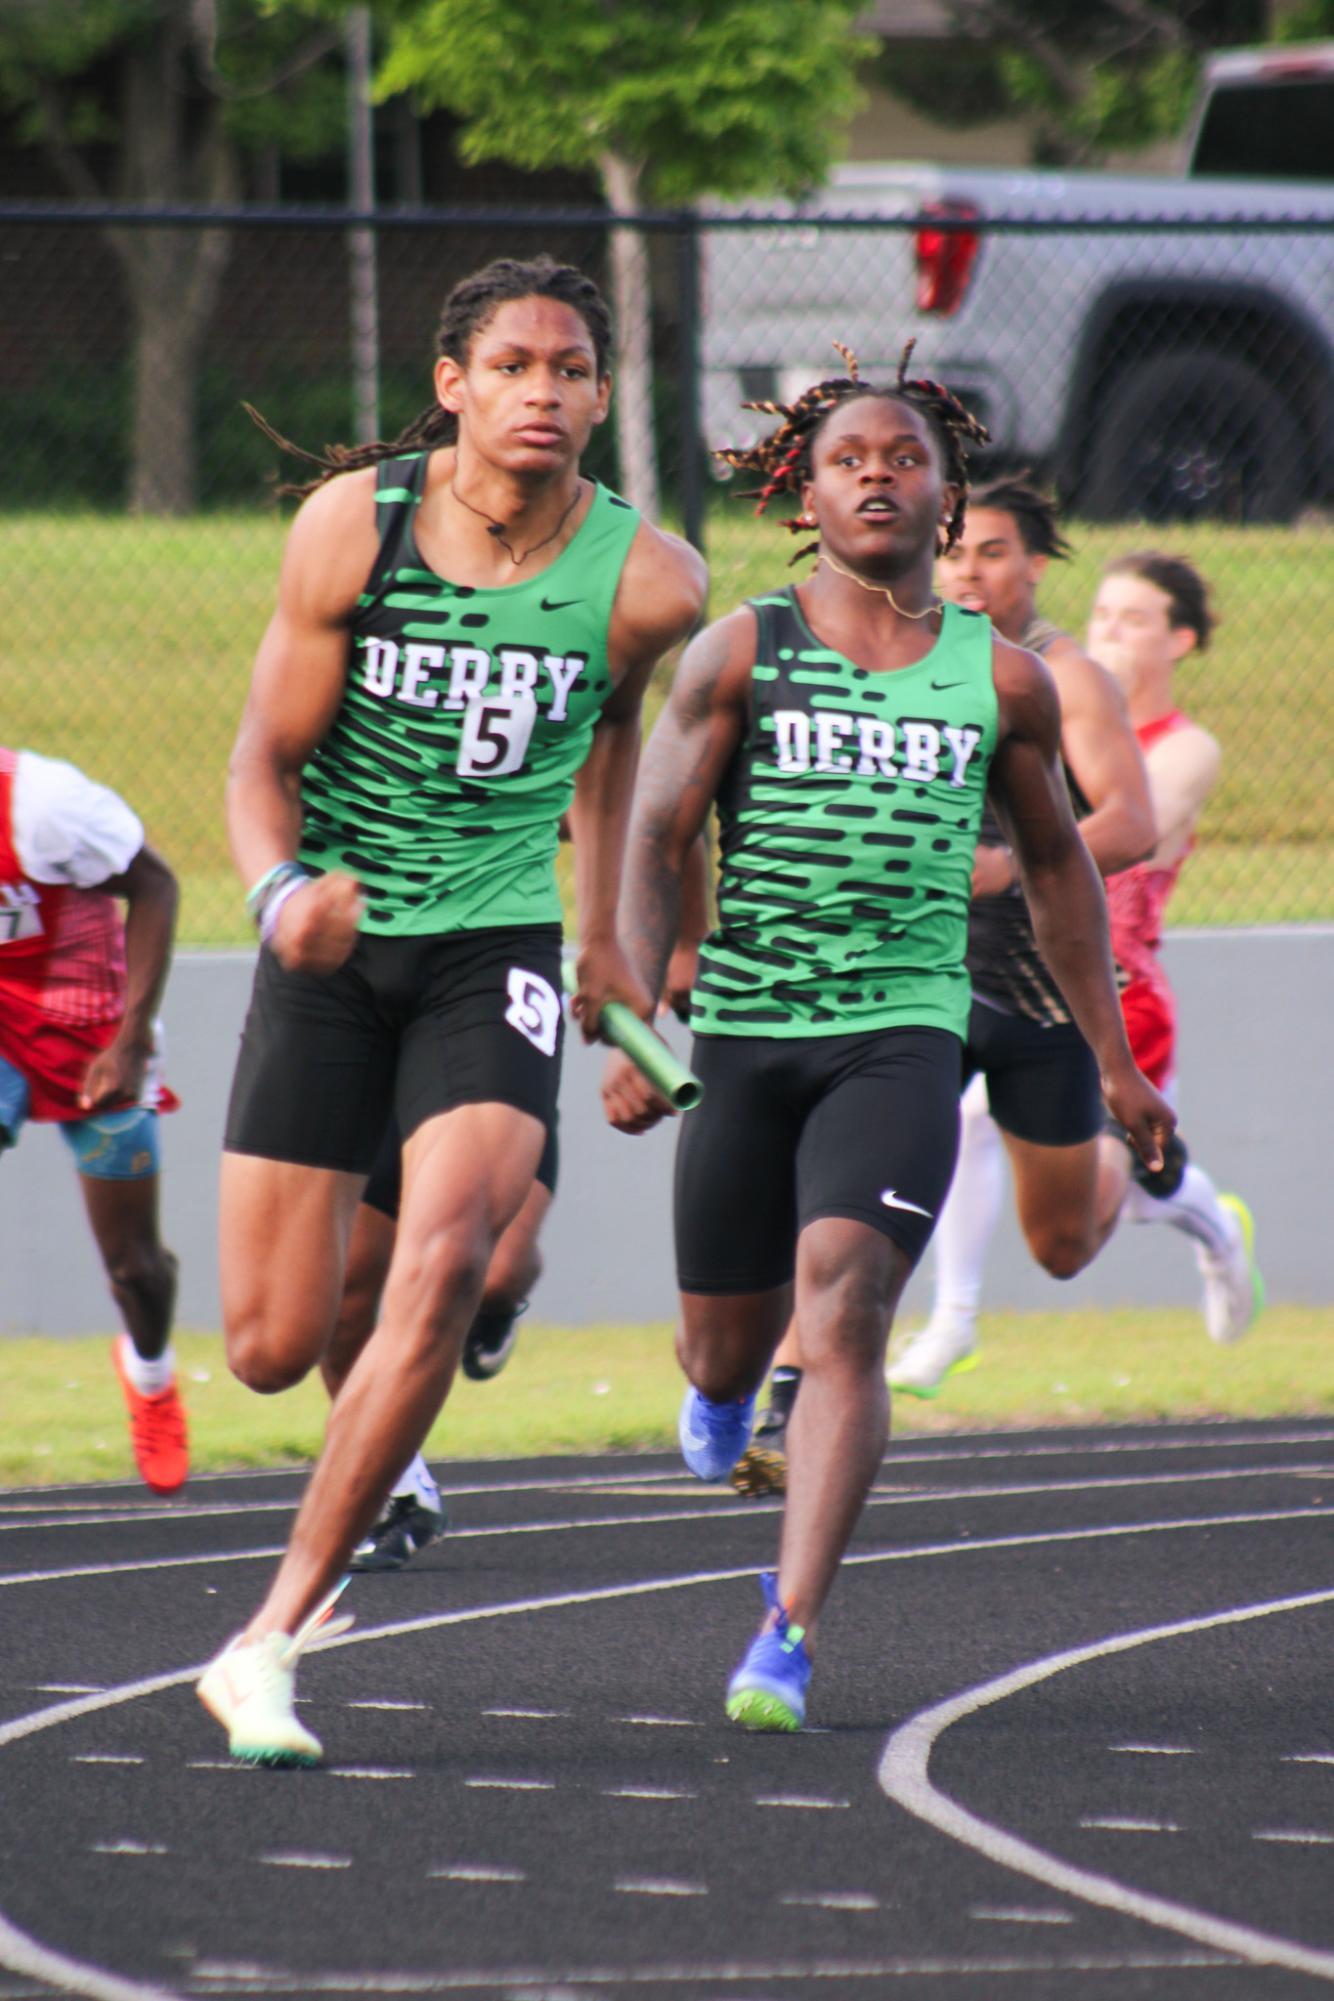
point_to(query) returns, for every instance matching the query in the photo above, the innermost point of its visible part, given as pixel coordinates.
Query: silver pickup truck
(1159, 346)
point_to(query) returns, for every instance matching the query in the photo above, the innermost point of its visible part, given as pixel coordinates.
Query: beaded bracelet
(266, 897)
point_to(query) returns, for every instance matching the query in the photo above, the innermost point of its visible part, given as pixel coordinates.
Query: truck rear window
(1282, 130)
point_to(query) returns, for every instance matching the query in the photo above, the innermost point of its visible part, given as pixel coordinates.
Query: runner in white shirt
(80, 1048)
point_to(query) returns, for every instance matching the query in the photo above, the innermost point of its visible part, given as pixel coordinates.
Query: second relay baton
(647, 1051)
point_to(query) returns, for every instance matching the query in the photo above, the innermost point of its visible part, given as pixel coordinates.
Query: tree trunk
(632, 305)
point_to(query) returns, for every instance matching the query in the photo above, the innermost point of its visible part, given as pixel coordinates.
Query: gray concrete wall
(1257, 1104)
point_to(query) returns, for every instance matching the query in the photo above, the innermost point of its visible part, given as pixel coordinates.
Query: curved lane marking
(903, 1775)
(22, 1954)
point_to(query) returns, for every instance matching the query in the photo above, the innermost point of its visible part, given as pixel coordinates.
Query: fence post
(361, 246)
(687, 381)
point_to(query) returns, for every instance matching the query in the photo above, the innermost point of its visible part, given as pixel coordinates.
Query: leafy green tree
(1092, 76)
(665, 100)
(162, 101)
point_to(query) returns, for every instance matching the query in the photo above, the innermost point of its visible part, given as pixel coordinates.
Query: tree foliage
(699, 96)
(1091, 76)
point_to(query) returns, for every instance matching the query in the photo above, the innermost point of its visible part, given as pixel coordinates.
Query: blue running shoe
(714, 1435)
(768, 1690)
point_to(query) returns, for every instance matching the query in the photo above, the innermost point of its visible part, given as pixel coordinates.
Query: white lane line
(833, 1900)
(661, 1722)
(658, 1886)
(531, 1715)
(21, 1954)
(1015, 1914)
(24, 1955)
(68, 1687)
(232, 1977)
(904, 1776)
(1307, 1758)
(110, 1698)
(895, 1497)
(647, 1793)
(475, 1872)
(1158, 1750)
(287, 1859)
(801, 1800)
(1123, 1824)
(385, 1705)
(511, 1785)
(127, 1847)
(1305, 1837)
(104, 1758)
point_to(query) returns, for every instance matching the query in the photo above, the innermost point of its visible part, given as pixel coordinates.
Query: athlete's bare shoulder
(332, 544)
(1026, 692)
(662, 591)
(716, 667)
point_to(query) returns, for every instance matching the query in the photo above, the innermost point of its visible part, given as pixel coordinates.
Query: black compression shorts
(409, 1027)
(384, 1190)
(858, 1126)
(1042, 1082)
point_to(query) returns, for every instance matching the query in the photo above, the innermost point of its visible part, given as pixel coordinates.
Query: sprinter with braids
(1029, 1062)
(850, 728)
(462, 639)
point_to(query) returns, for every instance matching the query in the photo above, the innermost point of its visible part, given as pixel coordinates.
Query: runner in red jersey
(1150, 614)
(80, 1048)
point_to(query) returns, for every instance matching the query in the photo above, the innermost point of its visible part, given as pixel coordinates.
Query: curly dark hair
(782, 461)
(471, 304)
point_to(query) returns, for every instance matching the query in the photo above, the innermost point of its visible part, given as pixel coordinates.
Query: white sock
(149, 1378)
(971, 1212)
(415, 1479)
(1194, 1210)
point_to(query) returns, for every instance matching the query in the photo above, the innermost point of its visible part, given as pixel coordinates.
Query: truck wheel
(1194, 435)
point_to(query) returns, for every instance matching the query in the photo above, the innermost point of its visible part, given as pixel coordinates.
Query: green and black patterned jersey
(466, 715)
(849, 816)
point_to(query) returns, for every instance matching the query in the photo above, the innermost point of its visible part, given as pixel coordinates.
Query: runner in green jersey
(464, 630)
(848, 730)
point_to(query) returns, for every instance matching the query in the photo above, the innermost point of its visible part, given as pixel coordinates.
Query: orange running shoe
(157, 1432)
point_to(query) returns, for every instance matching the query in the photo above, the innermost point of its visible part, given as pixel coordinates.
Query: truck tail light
(944, 257)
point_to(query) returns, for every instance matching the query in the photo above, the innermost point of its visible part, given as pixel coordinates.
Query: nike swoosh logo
(940, 686)
(558, 604)
(893, 1200)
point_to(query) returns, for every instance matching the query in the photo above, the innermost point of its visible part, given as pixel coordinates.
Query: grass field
(127, 648)
(617, 1389)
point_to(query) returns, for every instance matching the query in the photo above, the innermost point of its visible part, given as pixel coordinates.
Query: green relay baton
(647, 1051)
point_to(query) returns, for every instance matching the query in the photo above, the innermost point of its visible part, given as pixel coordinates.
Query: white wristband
(269, 919)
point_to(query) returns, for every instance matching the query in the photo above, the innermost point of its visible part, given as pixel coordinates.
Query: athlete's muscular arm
(1102, 752)
(696, 735)
(116, 1073)
(658, 601)
(295, 691)
(1064, 892)
(1184, 768)
(1100, 749)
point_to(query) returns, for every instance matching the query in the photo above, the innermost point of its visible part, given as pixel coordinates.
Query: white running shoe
(249, 1688)
(947, 1348)
(1234, 1292)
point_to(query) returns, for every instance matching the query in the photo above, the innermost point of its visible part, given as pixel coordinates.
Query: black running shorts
(858, 1126)
(409, 1027)
(1042, 1081)
(384, 1190)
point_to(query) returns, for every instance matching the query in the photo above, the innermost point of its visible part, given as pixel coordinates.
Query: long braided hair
(782, 461)
(468, 308)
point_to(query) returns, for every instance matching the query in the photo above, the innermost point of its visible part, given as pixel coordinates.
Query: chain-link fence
(1175, 382)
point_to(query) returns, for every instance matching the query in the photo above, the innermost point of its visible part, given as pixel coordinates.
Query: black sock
(783, 1386)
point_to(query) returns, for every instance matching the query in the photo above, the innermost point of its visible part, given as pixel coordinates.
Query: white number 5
(495, 736)
(534, 1009)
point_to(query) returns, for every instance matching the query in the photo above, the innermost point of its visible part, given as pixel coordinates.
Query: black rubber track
(531, 1790)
